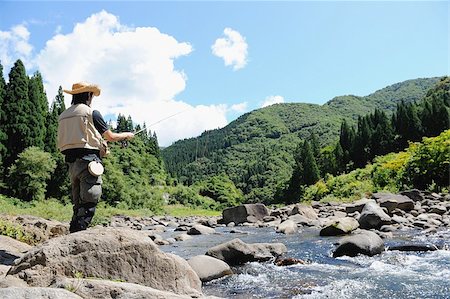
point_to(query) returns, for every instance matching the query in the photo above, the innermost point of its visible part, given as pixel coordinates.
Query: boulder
(110, 253)
(413, 247)
(393, 201)
(245, 213)
(339, 226)
(182, 237)
(414, 194)
(39, 229)
(209, 268)
(10, 250)
(356, 206)
(373, 216)
(107, 289)
(364, 242)
(287, 227)
(304, 210)
(302, 220)
(37, 293)
(236, 252)
(199, 229)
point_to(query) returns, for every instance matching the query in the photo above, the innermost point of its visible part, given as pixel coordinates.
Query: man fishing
(82, 132)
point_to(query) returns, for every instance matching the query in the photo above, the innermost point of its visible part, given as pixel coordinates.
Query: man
(81, 134)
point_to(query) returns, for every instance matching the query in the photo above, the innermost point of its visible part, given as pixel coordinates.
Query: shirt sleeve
(99, 122)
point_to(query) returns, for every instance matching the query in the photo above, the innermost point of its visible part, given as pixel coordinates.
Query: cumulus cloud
(241, 107)
(135, 69)
(14, 44)
(270, 100)
(232, 49)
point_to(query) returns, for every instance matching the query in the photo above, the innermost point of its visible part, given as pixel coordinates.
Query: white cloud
(241, 107)
(135, 69)
(272, 100)
(232, 49)
(14, 44)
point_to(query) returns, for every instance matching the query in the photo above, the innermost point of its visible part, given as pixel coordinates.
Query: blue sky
(293, 51)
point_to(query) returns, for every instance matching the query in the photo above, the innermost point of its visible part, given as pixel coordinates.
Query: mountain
(255, 150)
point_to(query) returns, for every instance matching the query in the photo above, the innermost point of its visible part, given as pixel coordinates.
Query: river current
(392, 274)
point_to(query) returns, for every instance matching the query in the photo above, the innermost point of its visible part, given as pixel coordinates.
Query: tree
(29, 174)
(346, 140)
(310, 173)
(18, 112)
(39, 103)
(3, 136)
(57, 108)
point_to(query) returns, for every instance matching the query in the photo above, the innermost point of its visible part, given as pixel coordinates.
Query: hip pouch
(95, 166)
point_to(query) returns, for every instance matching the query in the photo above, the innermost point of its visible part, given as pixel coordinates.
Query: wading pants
(86, 192)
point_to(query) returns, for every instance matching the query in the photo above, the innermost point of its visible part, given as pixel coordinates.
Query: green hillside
(255, 150)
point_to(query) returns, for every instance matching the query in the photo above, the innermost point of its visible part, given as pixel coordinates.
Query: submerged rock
(364, 242)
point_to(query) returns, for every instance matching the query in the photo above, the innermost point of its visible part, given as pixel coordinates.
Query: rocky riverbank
(125, 259)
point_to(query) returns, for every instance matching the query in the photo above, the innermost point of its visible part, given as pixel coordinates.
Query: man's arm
(111, 136)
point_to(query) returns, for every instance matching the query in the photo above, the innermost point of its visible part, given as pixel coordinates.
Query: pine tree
(310, 173)
(57, 108)
(18, 112)
(37, 120)
(3, 136)
(346, 140)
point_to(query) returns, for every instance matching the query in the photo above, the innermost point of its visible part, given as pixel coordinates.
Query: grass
(55, 210)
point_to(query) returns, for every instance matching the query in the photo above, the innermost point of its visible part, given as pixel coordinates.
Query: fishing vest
(76, 129)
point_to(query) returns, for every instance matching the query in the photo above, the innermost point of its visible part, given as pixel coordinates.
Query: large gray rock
(236, 252)
(37, 293)
(364, 242)
(393, 201)
(106, 289)
(287, 227)
(356, 206)
(339, 226)
(245, 213)
(199, 229)
(109, 253)
(39, 229)
(10, 249)
(414, 194)
(304, 210)
(209, 268)
(373, 216)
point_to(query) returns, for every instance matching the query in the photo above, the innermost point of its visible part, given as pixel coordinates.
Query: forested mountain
(256, 150)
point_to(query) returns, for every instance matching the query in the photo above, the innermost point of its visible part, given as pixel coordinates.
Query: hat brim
(94, 89)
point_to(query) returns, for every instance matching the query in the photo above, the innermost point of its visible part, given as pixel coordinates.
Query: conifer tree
(57, 108)
(310, 173)
(18, 112)
(37, 120)
(3, 136)
(346, 140)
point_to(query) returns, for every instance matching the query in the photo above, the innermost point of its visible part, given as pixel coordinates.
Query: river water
(392, 274)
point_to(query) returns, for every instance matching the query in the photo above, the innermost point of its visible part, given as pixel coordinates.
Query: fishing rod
(125, 142)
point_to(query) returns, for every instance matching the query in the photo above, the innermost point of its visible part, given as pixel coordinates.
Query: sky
(183, 67)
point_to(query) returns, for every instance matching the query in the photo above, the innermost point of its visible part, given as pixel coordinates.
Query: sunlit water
(392, 274)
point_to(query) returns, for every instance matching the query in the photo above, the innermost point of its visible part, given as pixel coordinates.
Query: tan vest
(76, 129)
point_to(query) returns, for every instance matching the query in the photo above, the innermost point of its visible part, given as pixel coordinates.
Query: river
(392, 274)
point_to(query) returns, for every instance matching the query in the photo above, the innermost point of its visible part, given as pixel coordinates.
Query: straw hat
(81, 87)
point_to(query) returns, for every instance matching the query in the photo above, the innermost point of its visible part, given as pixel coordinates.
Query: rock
(339, 226)
(236, 252)
(393, 201)
(304, 210)
(182, 237)
(287, 227)
(106, 289)
(209, 268)
(37, 293)
(356, 206)
(199, 229)
(288, 261)
(373, 216)
(39, 229)
(245, 213)
(364, 242)
(438, 209)
(413, 247)
(269, 218)
(302, 220)
(110, 253)
(414, 194)
(12, 281)
(11, 249)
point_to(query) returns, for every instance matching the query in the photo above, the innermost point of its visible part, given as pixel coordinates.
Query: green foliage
(190, 198)
(39, 110)
(429, 163)
(29, 174)
(255, 150)
(221, 189)
(15, 231)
